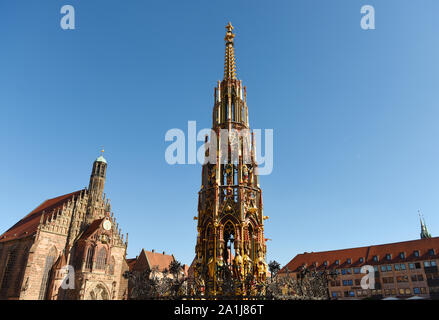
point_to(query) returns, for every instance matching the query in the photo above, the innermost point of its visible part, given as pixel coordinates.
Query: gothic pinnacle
(229, 63)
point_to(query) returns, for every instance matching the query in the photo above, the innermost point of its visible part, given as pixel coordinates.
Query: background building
(152, 260)
(402, 269)
(76, 230)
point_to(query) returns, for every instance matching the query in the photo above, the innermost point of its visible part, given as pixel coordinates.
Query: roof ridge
(369, 246)
(47, 206)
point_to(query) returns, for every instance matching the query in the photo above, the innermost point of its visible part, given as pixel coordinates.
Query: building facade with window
(159, 264)
(401, 269)
(69, 247)
(156, 262)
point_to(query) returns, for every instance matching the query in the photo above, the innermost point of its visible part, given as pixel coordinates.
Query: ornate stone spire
(230, 212)
(96, 186)
(101, 157)
(229, 63)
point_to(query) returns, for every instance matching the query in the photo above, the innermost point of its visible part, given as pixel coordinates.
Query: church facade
(69, 247)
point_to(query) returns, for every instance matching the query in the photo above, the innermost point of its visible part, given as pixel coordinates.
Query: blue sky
(354, 113)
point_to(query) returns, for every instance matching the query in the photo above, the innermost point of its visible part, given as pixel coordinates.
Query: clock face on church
(106, 225)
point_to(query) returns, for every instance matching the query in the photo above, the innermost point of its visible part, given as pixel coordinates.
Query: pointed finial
(229, 64)
(229, 27)
(101, 157)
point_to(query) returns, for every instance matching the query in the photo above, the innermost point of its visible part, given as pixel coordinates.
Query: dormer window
(325, 263)
(431, 252)
(337, 262)
(375, 258)
(416, 253)
(349, 261)
(361, 260)
(402, 255)
(388, 256)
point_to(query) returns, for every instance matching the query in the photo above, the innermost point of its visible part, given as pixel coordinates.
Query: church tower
(97, 177)
(97, 204)
(230, 249)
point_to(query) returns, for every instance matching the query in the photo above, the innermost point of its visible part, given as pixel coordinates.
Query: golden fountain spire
(229, 64)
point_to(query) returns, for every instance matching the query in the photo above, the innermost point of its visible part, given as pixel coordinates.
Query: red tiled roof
(186, 270)
(190, 272)
(131, 263)
(158, 259)
(61, 262)
(367, 253)
(91, 228)
(28, 225)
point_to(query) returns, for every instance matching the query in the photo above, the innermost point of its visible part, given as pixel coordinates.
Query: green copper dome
(101, 159)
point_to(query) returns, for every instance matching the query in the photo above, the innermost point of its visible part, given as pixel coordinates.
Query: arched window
(101, 259)
(112, 263)
(251, 239)
(208, 236)
(22, 266)
(226, 108)
(47, 267)
(89, 258)
(9, 269)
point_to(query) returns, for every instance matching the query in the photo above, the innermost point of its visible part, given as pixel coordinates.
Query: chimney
(152, 250)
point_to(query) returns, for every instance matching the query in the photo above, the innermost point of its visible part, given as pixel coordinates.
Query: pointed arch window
(233, 109)
(22, 266)
(226, 108)
(47, 267)
(251, 239)
(9, 269)
(229, 239)
(101, 259)
(112, 263)
(89, 258)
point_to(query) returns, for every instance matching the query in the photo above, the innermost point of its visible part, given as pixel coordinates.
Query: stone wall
(11, 274)
(47, 244)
